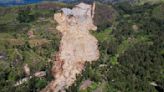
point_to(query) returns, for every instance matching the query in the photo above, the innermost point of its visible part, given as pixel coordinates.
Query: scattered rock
(40, 74)
(30, 34)
(135, 27)
(26, 69)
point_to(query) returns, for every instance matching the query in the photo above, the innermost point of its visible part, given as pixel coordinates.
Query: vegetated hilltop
(131, 48)
(113, 1)
(25, 2)
(27, 36)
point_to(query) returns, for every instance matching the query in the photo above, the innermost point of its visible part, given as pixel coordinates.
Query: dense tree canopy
(131, 48)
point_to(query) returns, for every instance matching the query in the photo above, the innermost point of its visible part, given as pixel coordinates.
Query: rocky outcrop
(77, 45)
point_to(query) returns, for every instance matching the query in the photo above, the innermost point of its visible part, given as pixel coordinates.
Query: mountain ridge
(25, 2)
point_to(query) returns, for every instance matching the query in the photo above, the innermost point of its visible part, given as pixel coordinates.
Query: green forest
(131, 44)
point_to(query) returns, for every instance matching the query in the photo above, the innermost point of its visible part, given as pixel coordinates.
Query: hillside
(25, 2)
(130, 43)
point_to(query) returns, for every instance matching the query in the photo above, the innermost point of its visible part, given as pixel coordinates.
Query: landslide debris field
(77, 45)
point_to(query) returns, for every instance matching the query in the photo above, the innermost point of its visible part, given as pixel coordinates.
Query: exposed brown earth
(77, 45)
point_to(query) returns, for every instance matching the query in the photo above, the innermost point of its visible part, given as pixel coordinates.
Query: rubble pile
(77, 45)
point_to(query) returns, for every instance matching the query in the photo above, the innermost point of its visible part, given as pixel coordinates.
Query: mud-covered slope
(77, 45)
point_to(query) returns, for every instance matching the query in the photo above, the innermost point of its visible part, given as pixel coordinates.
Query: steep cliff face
(77, 45)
